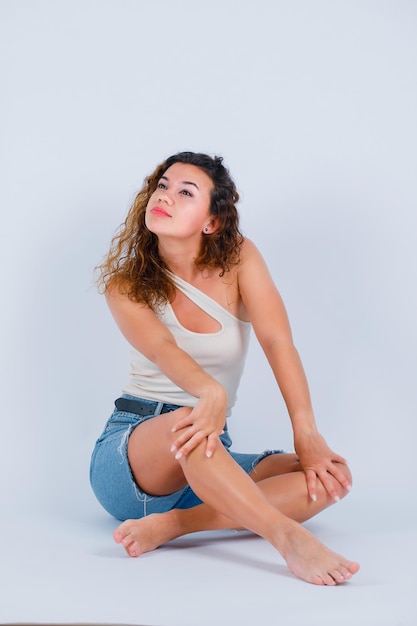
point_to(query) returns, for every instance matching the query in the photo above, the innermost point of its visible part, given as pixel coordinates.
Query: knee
(344, 489)
(348, 476)
(334, 490)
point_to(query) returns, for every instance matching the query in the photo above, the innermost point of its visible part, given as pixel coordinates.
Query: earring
(206, 230)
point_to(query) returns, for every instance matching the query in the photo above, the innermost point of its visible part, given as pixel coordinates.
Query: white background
(313, 106)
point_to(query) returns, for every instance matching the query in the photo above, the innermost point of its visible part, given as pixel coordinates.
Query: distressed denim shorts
(111, 477)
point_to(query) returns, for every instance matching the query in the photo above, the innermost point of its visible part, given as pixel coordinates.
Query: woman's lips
(159, 211)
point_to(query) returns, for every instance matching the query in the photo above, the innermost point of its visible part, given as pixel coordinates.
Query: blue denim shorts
(111, 477)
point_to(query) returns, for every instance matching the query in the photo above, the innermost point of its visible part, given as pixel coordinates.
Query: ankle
(282, 533)
(175, 519)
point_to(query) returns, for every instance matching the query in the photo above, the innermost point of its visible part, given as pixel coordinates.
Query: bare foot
(143, 535)
(305, 555)
(310, 560)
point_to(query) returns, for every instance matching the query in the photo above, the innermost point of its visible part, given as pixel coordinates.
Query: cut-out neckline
(186, 310)
(197, 329)
(207, 306)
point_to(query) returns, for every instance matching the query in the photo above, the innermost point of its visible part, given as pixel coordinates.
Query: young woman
(185, 288)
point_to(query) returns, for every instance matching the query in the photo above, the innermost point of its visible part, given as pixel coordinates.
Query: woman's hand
(320, 462)
(205, 421)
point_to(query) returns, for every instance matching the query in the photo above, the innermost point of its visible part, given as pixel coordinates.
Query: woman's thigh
(153, 465)
(273, 464)
(134, 473)
(111, 475)
(158, 473)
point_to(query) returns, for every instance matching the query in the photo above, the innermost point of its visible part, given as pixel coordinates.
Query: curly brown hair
(133, 263)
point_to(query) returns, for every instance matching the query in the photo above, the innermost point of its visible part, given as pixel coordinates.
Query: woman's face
(179, 206)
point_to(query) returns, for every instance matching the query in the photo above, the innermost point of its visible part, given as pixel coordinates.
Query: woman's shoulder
(118, 298)
(253, 272)
(249, 253)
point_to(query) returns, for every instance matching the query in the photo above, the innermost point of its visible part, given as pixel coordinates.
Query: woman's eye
(186, 192)
(161, 186)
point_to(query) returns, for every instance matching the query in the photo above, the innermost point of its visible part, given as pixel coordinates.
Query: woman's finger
(336, 458)
(190, 444)
(182, 439)
(339, 476)
(311, 478)
(183, 423)
(212, 441)
(329, 484)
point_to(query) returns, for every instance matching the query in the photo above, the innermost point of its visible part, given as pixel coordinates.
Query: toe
(344, 571)
(348, 568)
(130, 545)
(117, 536)
(127, 541)
(337, 576)
(328, 580)
(132, 550)
(353, 568)
(121, 531)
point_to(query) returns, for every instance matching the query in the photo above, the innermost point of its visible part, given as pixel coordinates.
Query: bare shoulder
(260, 294)
(120, 304)
(252, 264)
(249, 250)
(138, 322)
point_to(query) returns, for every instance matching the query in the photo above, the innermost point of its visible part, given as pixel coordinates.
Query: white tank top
(221, 354)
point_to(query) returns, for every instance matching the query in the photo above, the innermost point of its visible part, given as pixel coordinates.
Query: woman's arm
(270, 322)
(145, 332)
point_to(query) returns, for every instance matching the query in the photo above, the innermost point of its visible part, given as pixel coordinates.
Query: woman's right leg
(282, 482)
(232, 499)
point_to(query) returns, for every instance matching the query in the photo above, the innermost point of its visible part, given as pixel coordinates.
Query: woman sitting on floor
(185, 288)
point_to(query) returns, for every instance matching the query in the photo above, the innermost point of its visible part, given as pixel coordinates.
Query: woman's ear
(211, 226)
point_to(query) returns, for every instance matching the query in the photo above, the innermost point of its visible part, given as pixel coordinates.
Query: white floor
(64, 568)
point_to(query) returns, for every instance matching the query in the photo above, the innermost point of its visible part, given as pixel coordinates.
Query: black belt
(138, 407)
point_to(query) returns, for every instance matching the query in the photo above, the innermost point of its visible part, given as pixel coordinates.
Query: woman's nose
(165, 196)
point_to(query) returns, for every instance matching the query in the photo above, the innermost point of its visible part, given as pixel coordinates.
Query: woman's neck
(180, 259)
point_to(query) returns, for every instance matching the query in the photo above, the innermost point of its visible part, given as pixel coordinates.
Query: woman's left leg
(280, 478)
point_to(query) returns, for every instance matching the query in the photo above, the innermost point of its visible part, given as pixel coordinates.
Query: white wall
(313, 106)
